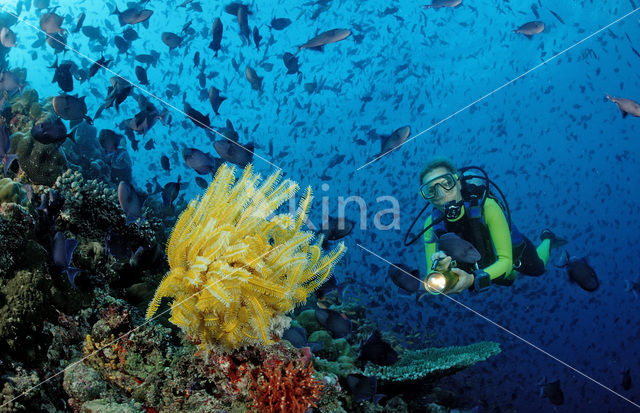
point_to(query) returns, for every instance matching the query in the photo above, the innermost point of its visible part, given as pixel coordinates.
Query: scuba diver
(465, 205)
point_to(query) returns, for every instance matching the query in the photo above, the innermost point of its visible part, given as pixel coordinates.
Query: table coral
(234, 269)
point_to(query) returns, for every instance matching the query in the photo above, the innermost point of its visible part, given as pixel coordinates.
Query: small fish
(201, 182)
(50, 23)
(438, 4)
(324, 38)
(150, 144)
(109, 140)
(70, 107)
(216, 32)
(254, 79)
(337, 228)
(132, 15)
(170, 192)
(51, 131)
(235, 152)
(457, 248)
(626, 106)
(291, 63)
(201, 162)
(377, 351)
(556, 16)
(63, 253)
(7, 37)
(530, 29)
(130, 202)
(171, 39)
(297, 336)
(5, 143)
(552, 391)
(244, 24)
(215, 99)
(79, 22)
(391, 142)
(148, 59)
(141, 74)
(198, 118)
(280, 23)
(100, 63)
(164, 162)
(62, 75)
(196, 59)
(130, 34)
(336, 323)
(407, 280)
(580, 272)
(256, 37)
(630, 286)
(363, 388)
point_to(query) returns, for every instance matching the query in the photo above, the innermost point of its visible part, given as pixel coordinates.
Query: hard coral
(234, 272)
(289, 388)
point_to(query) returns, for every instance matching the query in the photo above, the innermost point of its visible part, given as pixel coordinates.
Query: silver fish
(626, 106)
(437, 4)
(531, 28)
(324, 38)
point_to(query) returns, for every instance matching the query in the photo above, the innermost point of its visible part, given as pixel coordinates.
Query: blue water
(560, 151)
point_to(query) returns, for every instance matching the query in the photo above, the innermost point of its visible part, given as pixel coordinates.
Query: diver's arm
(429, 243)
(501, 238)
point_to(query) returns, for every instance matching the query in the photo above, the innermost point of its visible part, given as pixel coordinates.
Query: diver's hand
(465, 280)
(444, 261)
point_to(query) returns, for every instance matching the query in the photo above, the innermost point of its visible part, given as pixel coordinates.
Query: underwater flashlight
(440, 282)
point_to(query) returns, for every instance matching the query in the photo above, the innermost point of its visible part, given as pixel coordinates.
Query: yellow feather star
(235, 267)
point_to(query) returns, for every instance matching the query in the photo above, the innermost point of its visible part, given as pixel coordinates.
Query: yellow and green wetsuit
(495, 241)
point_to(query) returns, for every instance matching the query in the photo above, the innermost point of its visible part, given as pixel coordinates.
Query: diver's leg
(531, 260)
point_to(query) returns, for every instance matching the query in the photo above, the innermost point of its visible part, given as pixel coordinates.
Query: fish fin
(72, 272)
(7, 160)
(145, 24)
(529, 36)
(624, 114)
(70, 246)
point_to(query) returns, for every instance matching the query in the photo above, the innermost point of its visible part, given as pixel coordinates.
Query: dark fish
(109, 140)
(530, 29)
(10, 83)
(130, 34)
(201, 162)
(406, 279)
(534, 9)
(337, 228)
(51, 131)
(164, 162)
(256, 37)
(297, 336)
(119, 90)
(196, 59)
(7, 37)
(580, 272)
(324, 38)
(244, 24)
(390, 142)
(437, 4)
(363, 388)
(198, 118)
(232, 8)
(217, 35)
(215, 99)
(171, 39)
(150, 144)
(556, 16)
(130, 202)
(63, 253)
(122, 45)
(170, 192)
(100, 63)
(626, 379)
(201, 183)
(93, 33)
(336, 323)
(229, 132)
(50, 23)
(234, 152)
(5, 144)
(148, 59)
(79, 22)
(551, 391)
(58, 42)
(62, 75)
(291, 63)
(254, 79)
(457, 248)
(377, 351)
(626, 106)
(280, 23)
(132, 15)
(330, 285)
(141, 74)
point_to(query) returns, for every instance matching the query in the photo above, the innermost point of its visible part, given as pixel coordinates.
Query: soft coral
(290, 388)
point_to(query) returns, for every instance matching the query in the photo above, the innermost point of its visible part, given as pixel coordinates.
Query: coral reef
(12, 191)
(41, 164)
(235, 272)
(432, 363)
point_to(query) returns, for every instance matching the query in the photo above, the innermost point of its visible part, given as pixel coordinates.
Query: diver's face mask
(436, 188)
